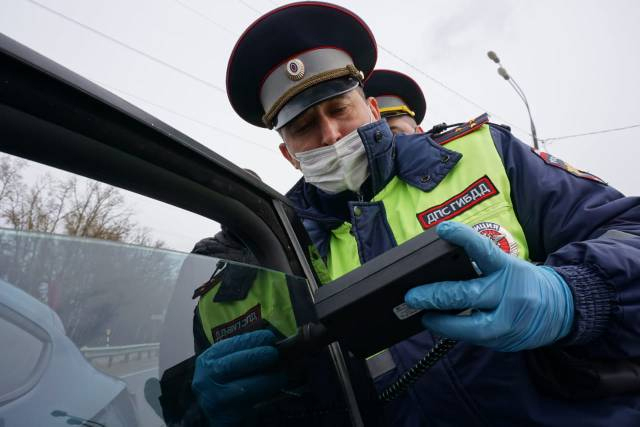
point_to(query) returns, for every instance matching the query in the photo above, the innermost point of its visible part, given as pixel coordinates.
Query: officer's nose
(330, 131)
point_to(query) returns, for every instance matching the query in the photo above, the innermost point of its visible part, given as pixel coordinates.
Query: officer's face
(404, 125)
(326, 123)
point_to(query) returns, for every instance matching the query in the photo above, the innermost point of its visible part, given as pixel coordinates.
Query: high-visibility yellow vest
(267, 303)
(475, 192)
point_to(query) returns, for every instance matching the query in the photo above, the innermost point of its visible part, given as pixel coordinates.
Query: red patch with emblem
(478, 191)
(499, 235)
(556, 162)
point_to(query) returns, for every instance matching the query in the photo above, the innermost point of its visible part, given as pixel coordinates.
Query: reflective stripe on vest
(476, 192)
(267, 303)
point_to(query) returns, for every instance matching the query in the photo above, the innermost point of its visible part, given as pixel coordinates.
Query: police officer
(557, 247)
(400, 100)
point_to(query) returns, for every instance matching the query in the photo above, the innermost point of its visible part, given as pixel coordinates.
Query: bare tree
(92, 285)
(75, 207)
(36, 208)
(97, 210)
(10, 176)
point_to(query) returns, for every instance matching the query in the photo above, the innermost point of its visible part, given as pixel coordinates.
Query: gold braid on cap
(349, 70)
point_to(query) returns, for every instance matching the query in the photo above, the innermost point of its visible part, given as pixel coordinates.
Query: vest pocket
(491, 213)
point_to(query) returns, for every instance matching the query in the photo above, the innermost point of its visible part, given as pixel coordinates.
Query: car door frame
(53, 116)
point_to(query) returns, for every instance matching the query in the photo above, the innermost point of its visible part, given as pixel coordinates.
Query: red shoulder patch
(460, 131)
(552, 160)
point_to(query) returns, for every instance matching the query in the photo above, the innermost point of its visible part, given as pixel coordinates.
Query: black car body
(52, 116)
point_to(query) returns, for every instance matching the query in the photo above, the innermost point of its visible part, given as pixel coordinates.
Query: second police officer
(400, 100)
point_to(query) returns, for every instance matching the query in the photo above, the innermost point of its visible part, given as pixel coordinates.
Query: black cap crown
(295, 57)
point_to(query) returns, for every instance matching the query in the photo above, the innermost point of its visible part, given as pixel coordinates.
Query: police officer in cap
(556, 308)
(400, 100)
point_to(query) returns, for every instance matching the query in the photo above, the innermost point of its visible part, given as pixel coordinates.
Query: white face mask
(338, 167)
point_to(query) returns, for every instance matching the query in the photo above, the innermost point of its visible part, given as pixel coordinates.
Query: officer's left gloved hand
(234, 374)
(515, 305)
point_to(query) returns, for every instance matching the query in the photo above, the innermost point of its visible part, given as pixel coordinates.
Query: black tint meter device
(365, 310)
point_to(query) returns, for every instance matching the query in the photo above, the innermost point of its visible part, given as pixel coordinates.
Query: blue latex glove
(515, 305)
(233, 375)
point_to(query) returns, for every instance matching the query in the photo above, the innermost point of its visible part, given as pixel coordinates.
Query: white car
(39, 363)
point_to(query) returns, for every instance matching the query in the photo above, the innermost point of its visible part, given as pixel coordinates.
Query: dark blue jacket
(586, 230)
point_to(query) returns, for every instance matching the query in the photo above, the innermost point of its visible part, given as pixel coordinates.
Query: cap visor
(312, 96)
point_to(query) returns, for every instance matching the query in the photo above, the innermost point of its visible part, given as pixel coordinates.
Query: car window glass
(109, 276)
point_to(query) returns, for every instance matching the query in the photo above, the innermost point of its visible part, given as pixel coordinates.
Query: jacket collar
(416, 159)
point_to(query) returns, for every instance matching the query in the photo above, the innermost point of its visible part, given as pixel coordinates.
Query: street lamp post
(503, 72)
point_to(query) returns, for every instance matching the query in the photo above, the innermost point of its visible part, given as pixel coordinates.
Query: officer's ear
(287, 155)
(373, 105)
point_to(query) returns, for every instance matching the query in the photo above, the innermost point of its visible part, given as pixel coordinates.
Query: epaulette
(464, 129)
(212, 282)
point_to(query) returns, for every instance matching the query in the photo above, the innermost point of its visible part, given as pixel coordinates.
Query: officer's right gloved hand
(233, 375)
(516, 305)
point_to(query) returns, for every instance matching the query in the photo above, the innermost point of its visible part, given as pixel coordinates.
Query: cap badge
(295, 69)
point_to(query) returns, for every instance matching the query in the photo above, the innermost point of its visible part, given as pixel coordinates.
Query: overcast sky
(577, 61)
